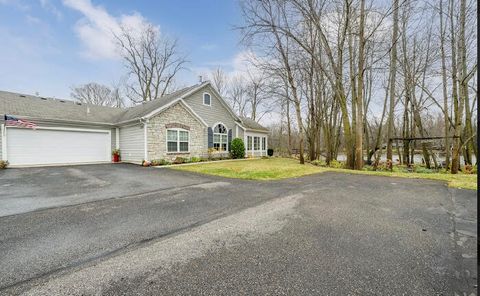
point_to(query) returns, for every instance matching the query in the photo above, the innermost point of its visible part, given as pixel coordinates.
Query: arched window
(207, 100)
(220, 137)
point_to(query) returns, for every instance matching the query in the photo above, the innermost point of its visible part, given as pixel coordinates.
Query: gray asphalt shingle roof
(65, 110)
(57, 109)
(145, 108)
(54, 109)
(252, 124)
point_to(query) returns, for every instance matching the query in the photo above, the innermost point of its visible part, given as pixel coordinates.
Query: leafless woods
(360, 76)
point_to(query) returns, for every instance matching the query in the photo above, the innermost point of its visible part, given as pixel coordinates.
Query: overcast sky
(47, 46)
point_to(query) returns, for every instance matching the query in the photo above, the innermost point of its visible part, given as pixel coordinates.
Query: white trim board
(172, 103)
(59, 128)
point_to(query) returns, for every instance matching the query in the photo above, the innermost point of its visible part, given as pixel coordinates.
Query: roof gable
(182, 103)
(150, 107)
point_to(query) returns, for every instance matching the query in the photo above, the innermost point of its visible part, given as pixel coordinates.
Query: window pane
(224, 146)
(224, 138)
(256, 143)
(171, 135)
(206, 99)
(184, 146)
(171, 146)
(249, 143)
(263, 143)
(216, 146)
(183, 136)
(216, 138)
(220, 129)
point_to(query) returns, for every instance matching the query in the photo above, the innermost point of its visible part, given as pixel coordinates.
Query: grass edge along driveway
(281, 168)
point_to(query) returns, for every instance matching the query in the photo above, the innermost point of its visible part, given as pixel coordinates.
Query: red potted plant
(116, 155)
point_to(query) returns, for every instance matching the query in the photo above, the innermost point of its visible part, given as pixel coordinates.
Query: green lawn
(280, 168)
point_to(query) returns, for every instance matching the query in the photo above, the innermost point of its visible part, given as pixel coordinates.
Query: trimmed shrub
(195, 159)
(270, 152)
(157, 162)
(237, 148)
(179, 160)
(3, 164)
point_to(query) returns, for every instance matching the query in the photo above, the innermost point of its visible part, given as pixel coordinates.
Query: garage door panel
(42, 146)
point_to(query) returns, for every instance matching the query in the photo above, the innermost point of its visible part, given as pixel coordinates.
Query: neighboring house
(185, 123)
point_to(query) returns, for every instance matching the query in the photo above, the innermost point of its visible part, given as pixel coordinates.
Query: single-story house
(185, 123)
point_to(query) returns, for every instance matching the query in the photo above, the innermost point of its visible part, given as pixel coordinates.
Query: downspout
(4, 141)
(144, 121)
(117, 138)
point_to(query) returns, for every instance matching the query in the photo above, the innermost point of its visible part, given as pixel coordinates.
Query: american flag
(13, 121)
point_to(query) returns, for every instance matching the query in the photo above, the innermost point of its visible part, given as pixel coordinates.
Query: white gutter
(52, 120)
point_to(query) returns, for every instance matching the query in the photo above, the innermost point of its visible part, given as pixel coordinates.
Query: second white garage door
(51, 146)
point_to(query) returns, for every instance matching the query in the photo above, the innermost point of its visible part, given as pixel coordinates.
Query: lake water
(417, 158)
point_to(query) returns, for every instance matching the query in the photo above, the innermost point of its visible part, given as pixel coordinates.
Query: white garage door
(47, 146)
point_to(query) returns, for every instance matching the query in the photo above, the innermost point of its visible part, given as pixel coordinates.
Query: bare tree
(444, 86)
(237, 94)
(392, 75)
(327, 57)
(220, 81)
(256, 91)
(97, 94)
(152, 60)
(359, 96)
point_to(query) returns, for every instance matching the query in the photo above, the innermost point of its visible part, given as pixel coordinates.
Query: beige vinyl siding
(132, 148)
(212, 114)
(240, 132)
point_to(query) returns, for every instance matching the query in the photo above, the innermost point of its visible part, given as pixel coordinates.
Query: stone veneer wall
(175, 115)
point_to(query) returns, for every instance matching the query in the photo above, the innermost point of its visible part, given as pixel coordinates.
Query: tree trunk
(457, 102)
(361, 61)
(444, 89)
(393, 71)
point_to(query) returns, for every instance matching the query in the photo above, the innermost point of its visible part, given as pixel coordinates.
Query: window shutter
(210, 137)
(229, 139)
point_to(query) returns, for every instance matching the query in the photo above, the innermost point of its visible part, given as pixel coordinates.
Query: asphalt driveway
(25, 190)
(324, 234)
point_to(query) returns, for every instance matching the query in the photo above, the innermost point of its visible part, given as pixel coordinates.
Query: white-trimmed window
(249, 142)
(264, 142)
(207, 99)
(177, 140)
(256, 143)
(220, 137)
